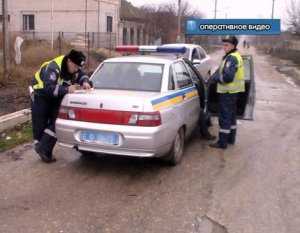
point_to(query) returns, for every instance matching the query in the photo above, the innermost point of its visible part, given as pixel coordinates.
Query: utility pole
(98, 26)
(85, 25)
(179, 22)
(52, 25)
(273, 9)
(5, 40)
(216, 2)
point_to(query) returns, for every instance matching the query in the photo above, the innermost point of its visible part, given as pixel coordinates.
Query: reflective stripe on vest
(238, 83)
(37, 76)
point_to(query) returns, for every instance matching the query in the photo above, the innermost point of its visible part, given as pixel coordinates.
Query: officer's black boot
(45, 148)
(208, 136)
(222, 142)
(204, 123)
(231, 138)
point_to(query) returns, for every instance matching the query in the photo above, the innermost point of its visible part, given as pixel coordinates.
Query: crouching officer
(50, 84)
(230, 82)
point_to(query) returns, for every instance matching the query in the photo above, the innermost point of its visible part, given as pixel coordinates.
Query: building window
(138, 36)
(131, 36)
(28, 22)
(125, 36)
(144, 36)
(109, 21)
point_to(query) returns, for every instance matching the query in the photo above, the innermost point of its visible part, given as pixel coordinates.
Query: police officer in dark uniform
(50, 84)
(230, 82)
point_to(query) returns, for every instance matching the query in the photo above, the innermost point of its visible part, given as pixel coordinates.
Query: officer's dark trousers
(44, 114)
(227, 118)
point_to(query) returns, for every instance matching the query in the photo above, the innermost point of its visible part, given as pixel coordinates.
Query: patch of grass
(19, 135)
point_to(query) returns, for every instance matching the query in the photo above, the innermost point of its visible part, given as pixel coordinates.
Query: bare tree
(161, 20)
(294, 17)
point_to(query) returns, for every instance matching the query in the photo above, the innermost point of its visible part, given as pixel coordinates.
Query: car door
(246, 100)
(190, 106)
(197, 61)
(198, 81)
(201, 61)
(205, 62)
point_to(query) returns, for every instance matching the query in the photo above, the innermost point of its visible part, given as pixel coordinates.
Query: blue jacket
(229, 70)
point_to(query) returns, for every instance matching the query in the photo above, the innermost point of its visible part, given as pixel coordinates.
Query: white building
(71, 17)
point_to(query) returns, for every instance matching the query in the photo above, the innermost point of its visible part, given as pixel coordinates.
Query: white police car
(198, 56)
(142, 106)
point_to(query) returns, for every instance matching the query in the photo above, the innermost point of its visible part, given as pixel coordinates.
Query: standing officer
(50, 84)
(230, 83)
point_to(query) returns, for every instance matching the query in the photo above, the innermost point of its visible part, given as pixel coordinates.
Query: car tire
(175, 155)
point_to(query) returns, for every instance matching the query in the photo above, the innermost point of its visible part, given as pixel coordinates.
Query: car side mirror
(196, 62)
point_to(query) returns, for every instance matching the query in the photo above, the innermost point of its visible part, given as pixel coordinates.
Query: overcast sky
(232, 8)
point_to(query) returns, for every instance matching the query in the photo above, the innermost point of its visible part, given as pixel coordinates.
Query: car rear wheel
(176, 153)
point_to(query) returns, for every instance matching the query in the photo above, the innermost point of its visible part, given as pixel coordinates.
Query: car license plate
(99, 137)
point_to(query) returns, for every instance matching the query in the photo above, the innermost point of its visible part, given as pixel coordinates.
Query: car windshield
(129, 76)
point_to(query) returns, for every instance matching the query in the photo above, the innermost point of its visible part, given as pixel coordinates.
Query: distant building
(72, 17)
(132, 25)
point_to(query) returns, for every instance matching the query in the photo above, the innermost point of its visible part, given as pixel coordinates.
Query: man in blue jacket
(50, 84)
(230, 82)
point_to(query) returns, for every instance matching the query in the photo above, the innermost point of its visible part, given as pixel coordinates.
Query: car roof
(155, 59)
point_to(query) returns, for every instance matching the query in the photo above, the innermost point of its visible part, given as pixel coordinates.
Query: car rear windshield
(129, 76)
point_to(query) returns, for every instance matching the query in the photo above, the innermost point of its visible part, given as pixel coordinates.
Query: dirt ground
(12, 99)
(252, 187)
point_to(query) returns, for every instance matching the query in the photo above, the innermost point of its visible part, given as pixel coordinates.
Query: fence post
(59, 43)
(110, 44)
(5, 33)
(93, 40)
(88, 50)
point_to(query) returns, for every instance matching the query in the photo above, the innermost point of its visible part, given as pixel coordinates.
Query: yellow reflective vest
(39, 82)
(238, 83)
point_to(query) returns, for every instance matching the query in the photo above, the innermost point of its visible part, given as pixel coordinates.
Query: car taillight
(110, 116)
(63, 112)
(149, 119)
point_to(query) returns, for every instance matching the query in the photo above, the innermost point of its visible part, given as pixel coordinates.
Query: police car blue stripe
(171, 96)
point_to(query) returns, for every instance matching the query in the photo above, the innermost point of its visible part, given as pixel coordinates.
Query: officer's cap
(77, 57)
(230, 39)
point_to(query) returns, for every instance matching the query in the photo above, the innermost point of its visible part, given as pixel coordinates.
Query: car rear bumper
(133, 140)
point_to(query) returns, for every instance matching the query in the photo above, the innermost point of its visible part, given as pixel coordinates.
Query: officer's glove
(214, 78)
